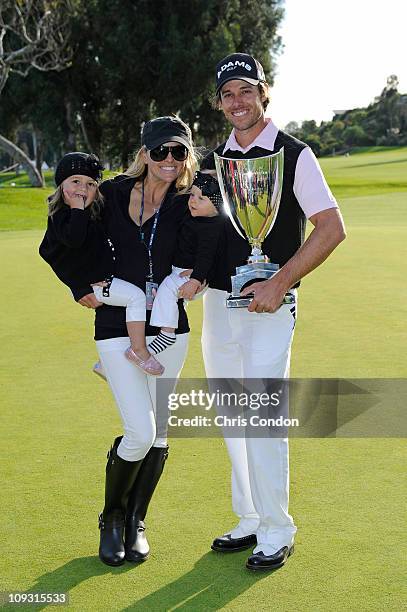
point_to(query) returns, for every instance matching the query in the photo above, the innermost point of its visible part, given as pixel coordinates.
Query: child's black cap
(209, 187)
(78, 163)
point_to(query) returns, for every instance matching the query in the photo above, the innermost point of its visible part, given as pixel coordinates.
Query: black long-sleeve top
(131, 253)
(197, 245)
(76, 247)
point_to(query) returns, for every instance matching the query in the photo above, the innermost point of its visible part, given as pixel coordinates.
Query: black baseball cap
(77, 162)
(164, 129)
(239, 66)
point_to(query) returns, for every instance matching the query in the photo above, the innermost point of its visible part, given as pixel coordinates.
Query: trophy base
(254, 271)
(233, 301)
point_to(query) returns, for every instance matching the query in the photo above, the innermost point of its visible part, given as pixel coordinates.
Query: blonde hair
(138, 169)
(56, 202)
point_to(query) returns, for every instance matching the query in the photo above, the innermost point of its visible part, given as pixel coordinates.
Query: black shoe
(120, 477)
(228, 544)
(260, 561)
(111, 549)
(139, 549)
(136, 544)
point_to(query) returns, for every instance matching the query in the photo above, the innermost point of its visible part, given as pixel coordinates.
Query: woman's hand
(90, 301)
(189, 289)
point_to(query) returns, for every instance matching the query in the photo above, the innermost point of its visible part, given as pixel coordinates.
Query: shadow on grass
(68, 576)
(382, 163)
(214, 581)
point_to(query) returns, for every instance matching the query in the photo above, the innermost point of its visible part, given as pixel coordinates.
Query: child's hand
(90, 301)
(189, 289)
(75, 199)
(79, 191)
(186, 273)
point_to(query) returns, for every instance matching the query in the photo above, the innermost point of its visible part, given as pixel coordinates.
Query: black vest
(288, 231)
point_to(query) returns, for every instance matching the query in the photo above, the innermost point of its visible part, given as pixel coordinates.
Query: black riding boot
(136, 545)
(120, 477)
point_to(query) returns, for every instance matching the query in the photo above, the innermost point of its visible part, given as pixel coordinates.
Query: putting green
(347, 495)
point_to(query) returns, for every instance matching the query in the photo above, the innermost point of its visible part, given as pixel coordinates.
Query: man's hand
(189, 289)
(268, 296)
(90, 301)
(328, 232)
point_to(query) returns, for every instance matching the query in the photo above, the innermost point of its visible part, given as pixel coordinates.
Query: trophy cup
(251, 191)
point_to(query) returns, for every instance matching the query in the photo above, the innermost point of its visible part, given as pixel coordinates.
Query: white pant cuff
(246, 527)
(270, 545)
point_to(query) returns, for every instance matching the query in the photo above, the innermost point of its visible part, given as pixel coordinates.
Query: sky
(337, 56)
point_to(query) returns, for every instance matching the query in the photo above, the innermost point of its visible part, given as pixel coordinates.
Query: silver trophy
(251, 191)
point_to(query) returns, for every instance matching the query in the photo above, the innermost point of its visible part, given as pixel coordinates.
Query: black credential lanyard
(152, 235)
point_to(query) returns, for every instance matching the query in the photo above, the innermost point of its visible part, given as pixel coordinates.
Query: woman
(144, 208)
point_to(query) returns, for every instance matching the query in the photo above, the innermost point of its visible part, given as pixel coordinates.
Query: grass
(23, 207)
(361, 174)
(347, 495)
(367, 173)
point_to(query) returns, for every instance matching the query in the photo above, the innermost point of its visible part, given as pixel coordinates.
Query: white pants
(165, 307)
(135, 393)
(122, 293)
(240, 344)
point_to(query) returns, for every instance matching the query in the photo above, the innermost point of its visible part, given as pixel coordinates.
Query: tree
(392, 85)
(384, 122)
(314, 141)
(134, 60)
(32, 114)
(167, 60)
(292, 127)
(33, 34)
(337, 128)
(354, 135)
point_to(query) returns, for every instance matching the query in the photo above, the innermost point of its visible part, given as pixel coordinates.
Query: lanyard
(152, 235)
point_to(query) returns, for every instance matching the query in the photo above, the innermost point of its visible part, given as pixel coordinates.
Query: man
(256, 342)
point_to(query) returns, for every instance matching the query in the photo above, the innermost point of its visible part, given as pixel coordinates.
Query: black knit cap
(165, 129)
(78, 163)
(209, 187)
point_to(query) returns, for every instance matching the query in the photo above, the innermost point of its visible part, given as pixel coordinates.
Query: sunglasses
(179, 153)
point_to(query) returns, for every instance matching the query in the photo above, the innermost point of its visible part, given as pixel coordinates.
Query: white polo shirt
(310, 186)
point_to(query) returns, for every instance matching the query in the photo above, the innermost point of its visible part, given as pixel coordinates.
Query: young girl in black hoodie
(77, 248)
